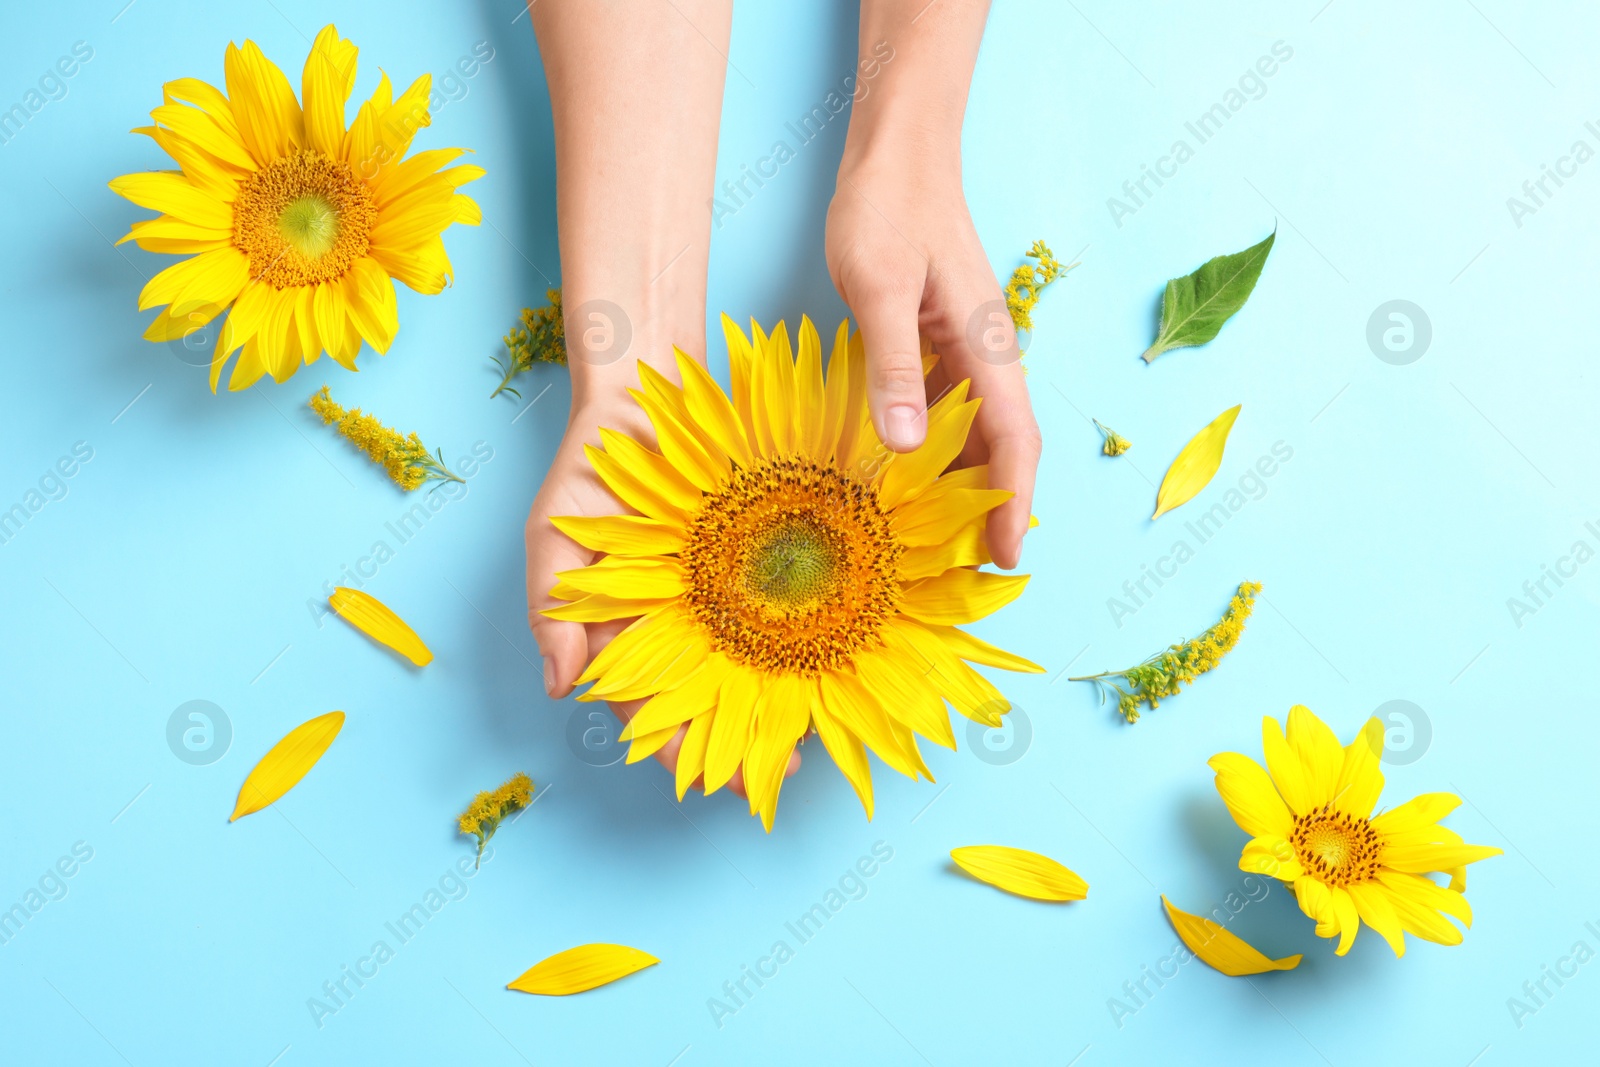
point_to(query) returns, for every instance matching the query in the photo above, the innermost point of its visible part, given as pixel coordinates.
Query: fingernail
(904, 424)
(549, 676)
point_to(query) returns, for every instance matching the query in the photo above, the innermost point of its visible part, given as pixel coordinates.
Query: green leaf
(1196, 305)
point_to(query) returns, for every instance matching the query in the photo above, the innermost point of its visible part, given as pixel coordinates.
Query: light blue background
(1418, 499)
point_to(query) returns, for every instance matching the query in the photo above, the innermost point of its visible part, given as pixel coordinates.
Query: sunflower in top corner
(788, 572)
(293, 223)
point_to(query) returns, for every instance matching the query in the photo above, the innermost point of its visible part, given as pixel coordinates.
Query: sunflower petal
(1287, 773)
(848, 753)
(598, 607)
(848, 702)
(1018, 871)
(580, 969)
(172, 194)
(835, 391)
(1251, 798)
(1321, 756)
(281, 769)
(1196, 465)
(204, 133)
(694, 696)
(1376, 908)
(712, 411)
(949, 422)
(974, 650)
(325, 85)
(622, 534)
(665, 481)
(960, 596)
(731, 730)
(1361, 777)
(1347, 917)
(692, 754)
(1221, 950)
(269, 117)
(642, 577)
(782, 717)
(373, 618)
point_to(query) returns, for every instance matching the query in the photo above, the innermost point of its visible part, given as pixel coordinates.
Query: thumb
(887, 314)
(564, 645)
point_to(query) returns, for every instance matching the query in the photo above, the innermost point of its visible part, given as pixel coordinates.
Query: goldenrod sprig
(1028, 281)
(405, 458)
(542, 338)
(1163, 674)
(1115, 444)
(484, 815)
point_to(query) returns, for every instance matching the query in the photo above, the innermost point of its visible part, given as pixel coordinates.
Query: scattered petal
(1221, 950)
(281, 769)
(579, 969)
(373, 618)
(1016, 870)
(1196, 465)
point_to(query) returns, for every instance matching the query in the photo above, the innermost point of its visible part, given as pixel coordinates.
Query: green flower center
(310, 224)
(791, 564)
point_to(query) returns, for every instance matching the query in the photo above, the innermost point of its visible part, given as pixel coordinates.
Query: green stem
(438, 472)
(505, 383)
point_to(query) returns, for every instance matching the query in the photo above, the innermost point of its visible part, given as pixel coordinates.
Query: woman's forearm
(914, 107)
(636, 94)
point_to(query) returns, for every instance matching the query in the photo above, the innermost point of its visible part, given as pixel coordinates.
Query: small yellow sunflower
(293, 221)
(1312, 827)
(789, 572)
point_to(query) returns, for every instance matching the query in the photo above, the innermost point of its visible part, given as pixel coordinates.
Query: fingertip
(794, 763)
(563, 648)
(1005, 534)
(903, 426)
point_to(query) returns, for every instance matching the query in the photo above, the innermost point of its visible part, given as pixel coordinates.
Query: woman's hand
(636, 98)
(572, 488)
(905, 257)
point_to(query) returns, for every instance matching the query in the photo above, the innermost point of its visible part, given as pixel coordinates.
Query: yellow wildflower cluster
(1115, 444)
(542, 338)
(1028, 281)
(1164, 674)
(405, 458)
(484, 814)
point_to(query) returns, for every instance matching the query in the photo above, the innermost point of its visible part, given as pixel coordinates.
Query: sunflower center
(310, 224)
(793, 563)
(1337, 848)
(302, 219)
(791, 566)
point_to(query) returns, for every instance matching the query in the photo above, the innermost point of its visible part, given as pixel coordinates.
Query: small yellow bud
(1115, 444)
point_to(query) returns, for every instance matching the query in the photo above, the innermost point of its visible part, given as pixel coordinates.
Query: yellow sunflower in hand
(1312, 826)
(293, 221)
(789, 572)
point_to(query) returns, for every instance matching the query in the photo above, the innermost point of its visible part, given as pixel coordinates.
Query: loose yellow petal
(1016, 870)
(281, 769)
(1221, 950)
(373, 618)
(583, 968)
(1196, 465)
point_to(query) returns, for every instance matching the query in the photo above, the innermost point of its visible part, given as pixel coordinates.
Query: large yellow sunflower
(1312, 827)
(293, 221)
(789, 572)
